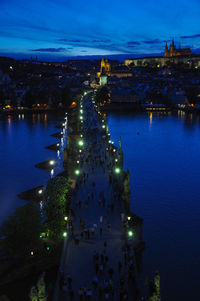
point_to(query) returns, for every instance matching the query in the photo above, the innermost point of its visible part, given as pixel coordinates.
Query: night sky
(65, 28)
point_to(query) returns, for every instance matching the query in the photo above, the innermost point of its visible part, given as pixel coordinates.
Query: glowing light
(116, 160)
(128, 218)
(32, 253)
(130, 233)
(117, 170)
(81, 117)
(81, 111)
(103, 126)
(81, 136)
(40, 191)
(80, 151)
(77, 172)
(52, 172)
(81, 143)
(77, 162)
(73, 104)
(57, 144)
(66, 218)
(51, 162)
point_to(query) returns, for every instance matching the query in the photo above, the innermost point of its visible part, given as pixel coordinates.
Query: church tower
(166, 51)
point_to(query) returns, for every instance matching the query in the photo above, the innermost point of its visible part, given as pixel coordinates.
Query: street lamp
(40, 191)
(81, 143)
(77, 172)
(117, 170)
(66, 218)
(130, 233)
(51, 162)
(64, 234)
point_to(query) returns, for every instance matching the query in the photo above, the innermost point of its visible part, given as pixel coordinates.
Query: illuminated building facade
(174, 51)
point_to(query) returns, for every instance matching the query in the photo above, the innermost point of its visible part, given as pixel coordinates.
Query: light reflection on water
(23, 140)
(162, 154)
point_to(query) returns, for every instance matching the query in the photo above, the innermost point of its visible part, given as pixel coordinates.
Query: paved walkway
(100, 209)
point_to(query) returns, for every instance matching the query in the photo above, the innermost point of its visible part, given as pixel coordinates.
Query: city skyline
(54, 30)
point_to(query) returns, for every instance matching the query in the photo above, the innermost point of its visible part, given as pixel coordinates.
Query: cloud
(154, 41)
(131, 43)
(72, 41)
(101, 41)
(191, 37)
(49, 49)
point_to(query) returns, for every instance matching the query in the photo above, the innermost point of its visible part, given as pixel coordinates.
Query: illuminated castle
(173, 51)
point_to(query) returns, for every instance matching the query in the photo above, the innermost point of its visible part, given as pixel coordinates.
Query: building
(174, 51)
(116, 71)
(123, 96)
(105, 68)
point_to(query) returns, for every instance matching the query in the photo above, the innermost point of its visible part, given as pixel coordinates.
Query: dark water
(162, 153)
(22, 142)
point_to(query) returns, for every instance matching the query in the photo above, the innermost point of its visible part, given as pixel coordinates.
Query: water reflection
(164, 166)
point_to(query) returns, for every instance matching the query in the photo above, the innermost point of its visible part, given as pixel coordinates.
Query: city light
(64, 234)
(117, 170)
(32, 253)
(77, 162)
(81, 117)
(116, 160)
(128, 218)
(103, 126)
(57, 144)
(40, 191)
(130, 233)
(81, 143)
(66, 218)
(51, 162)
(77, 172)
(80, 151)
(81, 111)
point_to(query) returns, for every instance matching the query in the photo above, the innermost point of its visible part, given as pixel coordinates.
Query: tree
(22, 230)
(66, 97)
(102, 95)
(55, 205)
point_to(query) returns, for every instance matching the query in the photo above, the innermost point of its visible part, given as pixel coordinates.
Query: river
(23, 139)
(162, 154)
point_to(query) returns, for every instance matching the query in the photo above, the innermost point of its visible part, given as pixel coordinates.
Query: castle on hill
(174, 51)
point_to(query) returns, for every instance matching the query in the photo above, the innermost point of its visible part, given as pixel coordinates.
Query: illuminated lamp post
(130, 234)
(117, 170)
(77, 172)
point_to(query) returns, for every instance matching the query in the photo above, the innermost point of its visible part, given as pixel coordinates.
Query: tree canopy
(102, 95)
(22, 230)
(55, 205)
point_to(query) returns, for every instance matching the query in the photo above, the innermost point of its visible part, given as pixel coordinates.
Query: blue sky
(65, 28)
